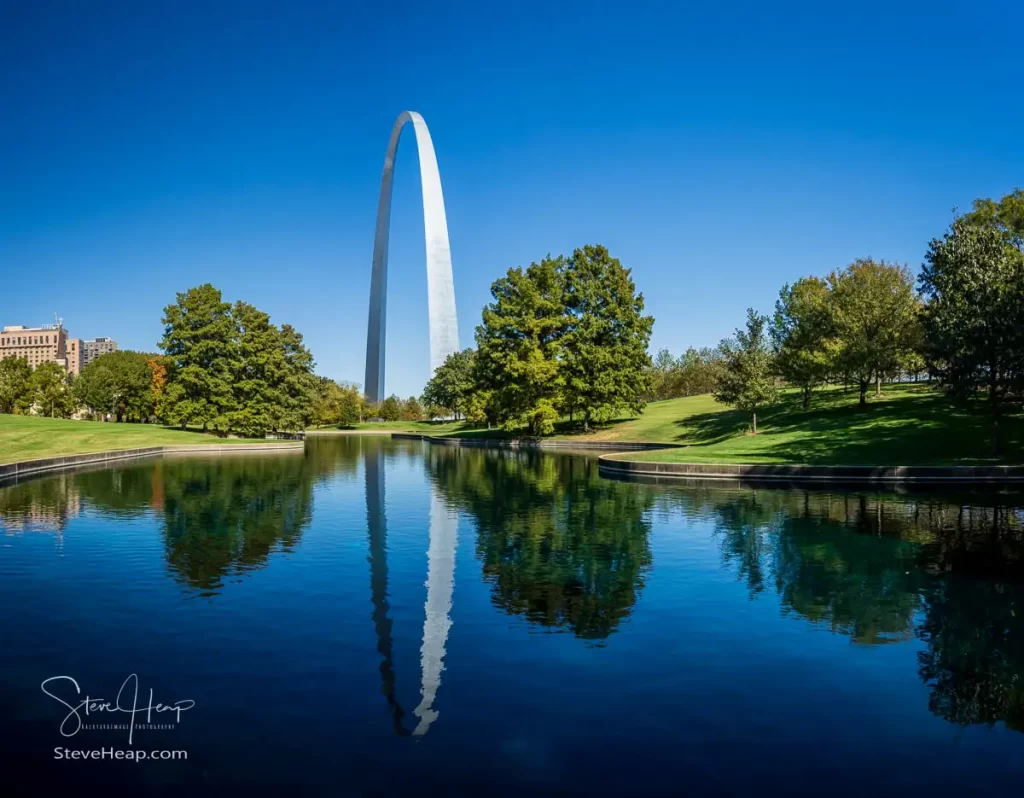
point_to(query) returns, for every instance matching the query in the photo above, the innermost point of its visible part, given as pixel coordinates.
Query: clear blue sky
(718, 149)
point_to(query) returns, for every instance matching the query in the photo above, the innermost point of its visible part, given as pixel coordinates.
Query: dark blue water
(376, 617)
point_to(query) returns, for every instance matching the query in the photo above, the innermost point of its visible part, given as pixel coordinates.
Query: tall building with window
(93, 349)
(74, 356)
(38, 345)
(50, 344)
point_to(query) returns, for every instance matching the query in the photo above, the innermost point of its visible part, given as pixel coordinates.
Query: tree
(480, 407)
(298, 384)
(94, 387)
(802, 335)
(118, 382)
(200, 352)
(50, 391)
(1006, 216)
(157, 380)
(390, 409)
(696, 371)
(875, 312)
(974, 319)
(350, 406)
(663, 376)
(700, 371)
(258, 382)
(748, 382)
(519, 345)
(15, 385)
(452, 383)
(411, 410)
(604, 362)
(325, 402)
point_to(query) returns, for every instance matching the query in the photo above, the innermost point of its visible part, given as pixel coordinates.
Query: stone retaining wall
(618, 465)
(611, 464)
(10, 471)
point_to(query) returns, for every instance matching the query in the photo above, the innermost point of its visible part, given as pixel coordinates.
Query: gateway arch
(444, 331)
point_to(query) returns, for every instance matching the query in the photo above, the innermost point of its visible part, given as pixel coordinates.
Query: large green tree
(119, 383)
(604, 362)
(563, 336)
(802, 334)
(875, 313)
(259, 379)
(201, 358)
(973, 278)
(15, 385)
(453, 383)
(748, 380)
(390, 409)
(519, 343)
(299, 384)
(51, 393)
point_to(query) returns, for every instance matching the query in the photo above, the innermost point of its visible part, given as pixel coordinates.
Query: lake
(375, 616)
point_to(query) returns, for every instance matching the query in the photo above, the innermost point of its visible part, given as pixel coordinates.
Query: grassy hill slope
(31, 437)
(907, 425)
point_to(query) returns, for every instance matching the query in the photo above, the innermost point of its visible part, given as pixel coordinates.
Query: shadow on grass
(915, 426)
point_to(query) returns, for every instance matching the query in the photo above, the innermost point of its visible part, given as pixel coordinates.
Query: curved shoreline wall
(612, 464)
(616, 463)
(14, 471)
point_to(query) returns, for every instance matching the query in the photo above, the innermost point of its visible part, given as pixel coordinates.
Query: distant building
(93, 349)
(38, 345)
(50, 344)
(74, 358)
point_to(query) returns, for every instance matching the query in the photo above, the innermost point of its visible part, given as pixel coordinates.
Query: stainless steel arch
(444, 330)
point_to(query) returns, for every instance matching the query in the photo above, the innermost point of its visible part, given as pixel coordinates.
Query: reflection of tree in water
(883, 568)
(559, 545)
(224, 517)
(974, 663)
(221, 515)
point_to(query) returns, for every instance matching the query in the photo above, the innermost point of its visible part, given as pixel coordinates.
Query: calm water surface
(378, 616)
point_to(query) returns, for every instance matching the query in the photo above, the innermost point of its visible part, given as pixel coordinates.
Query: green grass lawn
(908, 425)
(419, 427)
(30, 437)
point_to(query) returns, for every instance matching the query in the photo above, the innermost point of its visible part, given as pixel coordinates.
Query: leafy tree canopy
(748, 381)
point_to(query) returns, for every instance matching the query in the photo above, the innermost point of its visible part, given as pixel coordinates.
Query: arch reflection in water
(440, 586)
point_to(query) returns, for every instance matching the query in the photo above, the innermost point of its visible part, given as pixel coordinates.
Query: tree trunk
(878, 384)
(807, 396)
(993, 399)
(863, 392)
(754, 414)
